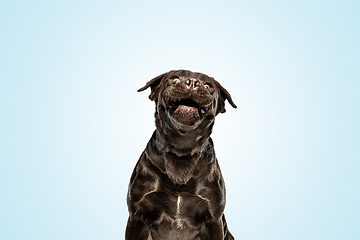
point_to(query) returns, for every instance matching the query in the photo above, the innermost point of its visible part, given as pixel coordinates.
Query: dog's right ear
(154, 85)
(224, 95)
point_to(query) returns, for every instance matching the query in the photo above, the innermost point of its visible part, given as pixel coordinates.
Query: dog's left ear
(154, 85)
(224, 95)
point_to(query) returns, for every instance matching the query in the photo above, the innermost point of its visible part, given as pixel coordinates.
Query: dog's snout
(193, 83)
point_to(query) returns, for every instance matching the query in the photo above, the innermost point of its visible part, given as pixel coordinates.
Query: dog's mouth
(186, 111)
(185, 106)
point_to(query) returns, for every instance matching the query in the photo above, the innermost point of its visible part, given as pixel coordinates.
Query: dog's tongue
(187, 111)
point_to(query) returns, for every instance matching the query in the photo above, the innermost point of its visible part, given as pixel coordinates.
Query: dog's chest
(190, 211)
(180, 223)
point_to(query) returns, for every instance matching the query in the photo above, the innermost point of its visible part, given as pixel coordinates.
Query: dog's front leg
(228, 235)
(212, 231)
(136, 230)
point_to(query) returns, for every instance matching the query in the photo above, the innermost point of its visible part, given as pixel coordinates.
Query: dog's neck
(184, 141)
(176, 152)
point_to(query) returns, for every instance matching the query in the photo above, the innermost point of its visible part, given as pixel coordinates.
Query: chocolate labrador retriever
(176, 190)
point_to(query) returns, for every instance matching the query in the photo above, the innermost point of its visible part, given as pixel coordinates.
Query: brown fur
(176, 190)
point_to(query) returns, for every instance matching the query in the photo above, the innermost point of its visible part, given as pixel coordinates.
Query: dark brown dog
(176, 190)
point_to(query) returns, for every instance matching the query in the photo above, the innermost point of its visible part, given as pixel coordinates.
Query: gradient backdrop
(73, 125)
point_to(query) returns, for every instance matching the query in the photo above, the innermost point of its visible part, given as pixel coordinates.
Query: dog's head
(187, 98)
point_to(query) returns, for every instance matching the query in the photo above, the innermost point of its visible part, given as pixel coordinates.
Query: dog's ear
(154, 85)
(223, 95)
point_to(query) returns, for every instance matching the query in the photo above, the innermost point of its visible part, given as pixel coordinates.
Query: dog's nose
(193, 83)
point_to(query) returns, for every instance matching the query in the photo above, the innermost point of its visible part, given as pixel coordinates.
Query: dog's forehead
(189, 74)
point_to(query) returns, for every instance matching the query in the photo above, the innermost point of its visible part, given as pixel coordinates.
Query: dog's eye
(207, 86)
(172, 81)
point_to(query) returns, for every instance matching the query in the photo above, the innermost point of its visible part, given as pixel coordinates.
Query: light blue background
(73, 125)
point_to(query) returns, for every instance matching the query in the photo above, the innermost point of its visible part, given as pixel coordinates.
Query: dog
(177, 190)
